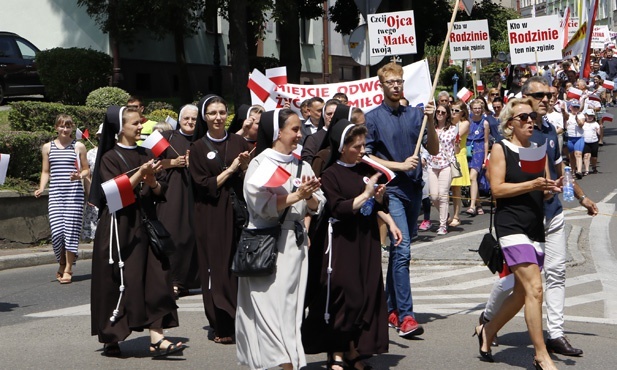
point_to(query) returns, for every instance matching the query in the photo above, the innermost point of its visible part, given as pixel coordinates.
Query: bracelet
(309, 197)
(581, 199)
(157, 185)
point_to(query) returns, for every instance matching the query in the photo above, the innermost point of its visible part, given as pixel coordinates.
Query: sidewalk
(453, 249)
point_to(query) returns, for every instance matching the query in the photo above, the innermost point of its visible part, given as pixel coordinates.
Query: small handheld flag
(156, 142)
(269, 175)
(119, 192)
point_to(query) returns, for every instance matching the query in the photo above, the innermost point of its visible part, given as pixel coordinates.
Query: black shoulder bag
(489, 249)
(241, 213)
(256, 251)
(159, 238)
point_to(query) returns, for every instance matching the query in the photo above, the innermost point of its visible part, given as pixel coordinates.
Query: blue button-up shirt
(392, 136)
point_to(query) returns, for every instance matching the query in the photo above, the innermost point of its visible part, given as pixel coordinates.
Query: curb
(36, 259)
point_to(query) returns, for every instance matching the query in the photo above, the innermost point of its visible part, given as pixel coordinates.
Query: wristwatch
(581, 199)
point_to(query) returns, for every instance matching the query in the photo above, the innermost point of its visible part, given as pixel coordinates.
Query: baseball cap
(590, 112)
(575, 103)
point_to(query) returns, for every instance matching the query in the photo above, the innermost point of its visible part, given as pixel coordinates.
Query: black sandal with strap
(332, 362)
(112, 350)
(351, 363)
(156, 350)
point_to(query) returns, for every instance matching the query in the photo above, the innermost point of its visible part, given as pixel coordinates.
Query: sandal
(480, 211)
(157, 351)
(60, 273)
(332, 362)
(68, 280)
(176, 292)
(223, 340)
(471, 212)
(351, 364)
(112, 350)
(455, 222)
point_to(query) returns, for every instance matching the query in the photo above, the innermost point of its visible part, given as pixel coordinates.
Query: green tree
(497, 17)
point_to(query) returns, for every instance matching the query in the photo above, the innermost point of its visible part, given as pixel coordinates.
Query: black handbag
(257, 251)
(160, 240)
(489, 249)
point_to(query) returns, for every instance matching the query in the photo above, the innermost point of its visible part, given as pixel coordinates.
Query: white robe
(270, 308)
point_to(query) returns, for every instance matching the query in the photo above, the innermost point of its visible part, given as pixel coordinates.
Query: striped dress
(66, 200)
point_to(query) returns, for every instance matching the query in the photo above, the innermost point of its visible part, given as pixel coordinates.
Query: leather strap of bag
(490, 223)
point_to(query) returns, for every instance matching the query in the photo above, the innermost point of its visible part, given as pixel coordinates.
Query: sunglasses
(540, 95)
(526, 116)
(440, 112)
(455, 111)
(495, 94)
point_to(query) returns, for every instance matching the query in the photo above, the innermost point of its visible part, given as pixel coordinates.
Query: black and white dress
(66, 199)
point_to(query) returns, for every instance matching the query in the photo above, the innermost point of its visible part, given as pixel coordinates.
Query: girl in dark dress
(176, 213)
(217, 165)
(349, 317)
(130, 289)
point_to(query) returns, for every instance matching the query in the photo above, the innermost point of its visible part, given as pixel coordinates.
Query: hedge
(25, 150)
(69, 75)
(41, 116)
(106, 96)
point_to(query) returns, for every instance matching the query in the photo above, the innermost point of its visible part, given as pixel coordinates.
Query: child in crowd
(591, 130)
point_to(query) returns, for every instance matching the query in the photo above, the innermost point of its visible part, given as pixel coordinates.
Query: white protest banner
(392, 33)
(576, 44)
(539, 36)
(470, 35)
(573, 26)
(600, 37)
(365, 94)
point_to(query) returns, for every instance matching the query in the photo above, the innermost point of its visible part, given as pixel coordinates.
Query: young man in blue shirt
(393, 131)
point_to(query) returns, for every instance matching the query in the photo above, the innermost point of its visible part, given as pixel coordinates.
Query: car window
(26, 50)
(7, 48)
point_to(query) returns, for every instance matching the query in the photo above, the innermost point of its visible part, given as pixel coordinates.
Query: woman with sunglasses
(477, 141)
(439, 173)
(519, 223)
(460, 118)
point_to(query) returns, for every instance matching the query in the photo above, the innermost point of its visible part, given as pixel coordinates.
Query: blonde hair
(508, 112)
(390, 68)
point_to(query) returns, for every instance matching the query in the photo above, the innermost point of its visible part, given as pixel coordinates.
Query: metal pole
(366, 42)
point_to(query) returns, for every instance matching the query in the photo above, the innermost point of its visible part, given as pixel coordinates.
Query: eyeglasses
(440, 112)
(213, 114)
(526, 116)
(494, 94)
(391, 83)
(456, 110)
(540, 95)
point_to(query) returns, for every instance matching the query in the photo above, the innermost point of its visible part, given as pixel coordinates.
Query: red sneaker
(410, 328)
(393, 319)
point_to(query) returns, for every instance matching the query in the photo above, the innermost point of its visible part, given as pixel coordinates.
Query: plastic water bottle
(568, 185)
(367, 207)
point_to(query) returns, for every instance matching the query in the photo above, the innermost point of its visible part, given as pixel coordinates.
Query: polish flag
(606, 117)
(79, 135)
(156, 142)
(379, 167)
(298, 152)
(78, 162)
(532, 160)
(4, 166)
(464, 94)
(119, 192)
(574, 93)
(480, 86)
(277, 75)
(609, 85)
(269, 175)
(506, 96)
(172, 122)
(594, 97)
(260, 85)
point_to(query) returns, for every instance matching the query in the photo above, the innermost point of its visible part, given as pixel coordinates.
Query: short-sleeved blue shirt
(392, 136)
(547, 133)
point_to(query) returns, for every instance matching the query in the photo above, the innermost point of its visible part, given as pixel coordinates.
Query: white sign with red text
(470, 39)
(535, 39)
(600, 37)
(365, 94)
(572, 27)
(392, 33)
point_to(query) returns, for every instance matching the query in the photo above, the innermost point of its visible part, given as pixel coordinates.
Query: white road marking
(604, 258)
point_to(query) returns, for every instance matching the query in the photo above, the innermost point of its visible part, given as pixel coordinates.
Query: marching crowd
(335, 209)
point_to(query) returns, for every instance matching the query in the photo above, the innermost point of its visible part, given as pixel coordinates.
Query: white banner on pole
(470, 35)
(392, 33)
(365, 94)
(531, 37)
(600, 37)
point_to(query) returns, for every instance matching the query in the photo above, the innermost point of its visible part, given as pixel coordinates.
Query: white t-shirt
(590, 131)
(555, 119)
(572, 127)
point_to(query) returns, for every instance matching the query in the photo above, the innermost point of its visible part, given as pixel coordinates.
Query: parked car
(18, 74)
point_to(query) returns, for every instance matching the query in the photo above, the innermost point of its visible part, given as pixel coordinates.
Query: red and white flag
(260, 85)
(594, 97)
(172, 122)
(464, 94)
(608, 84)
(156, 142)
(606, 117)
(269, 175)
(119, 192)
(480, 86)
(532, 160)
(379, 167)
(277, 75)
(79, 135)
(4, 166)
(574, 93)
(298, 152)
